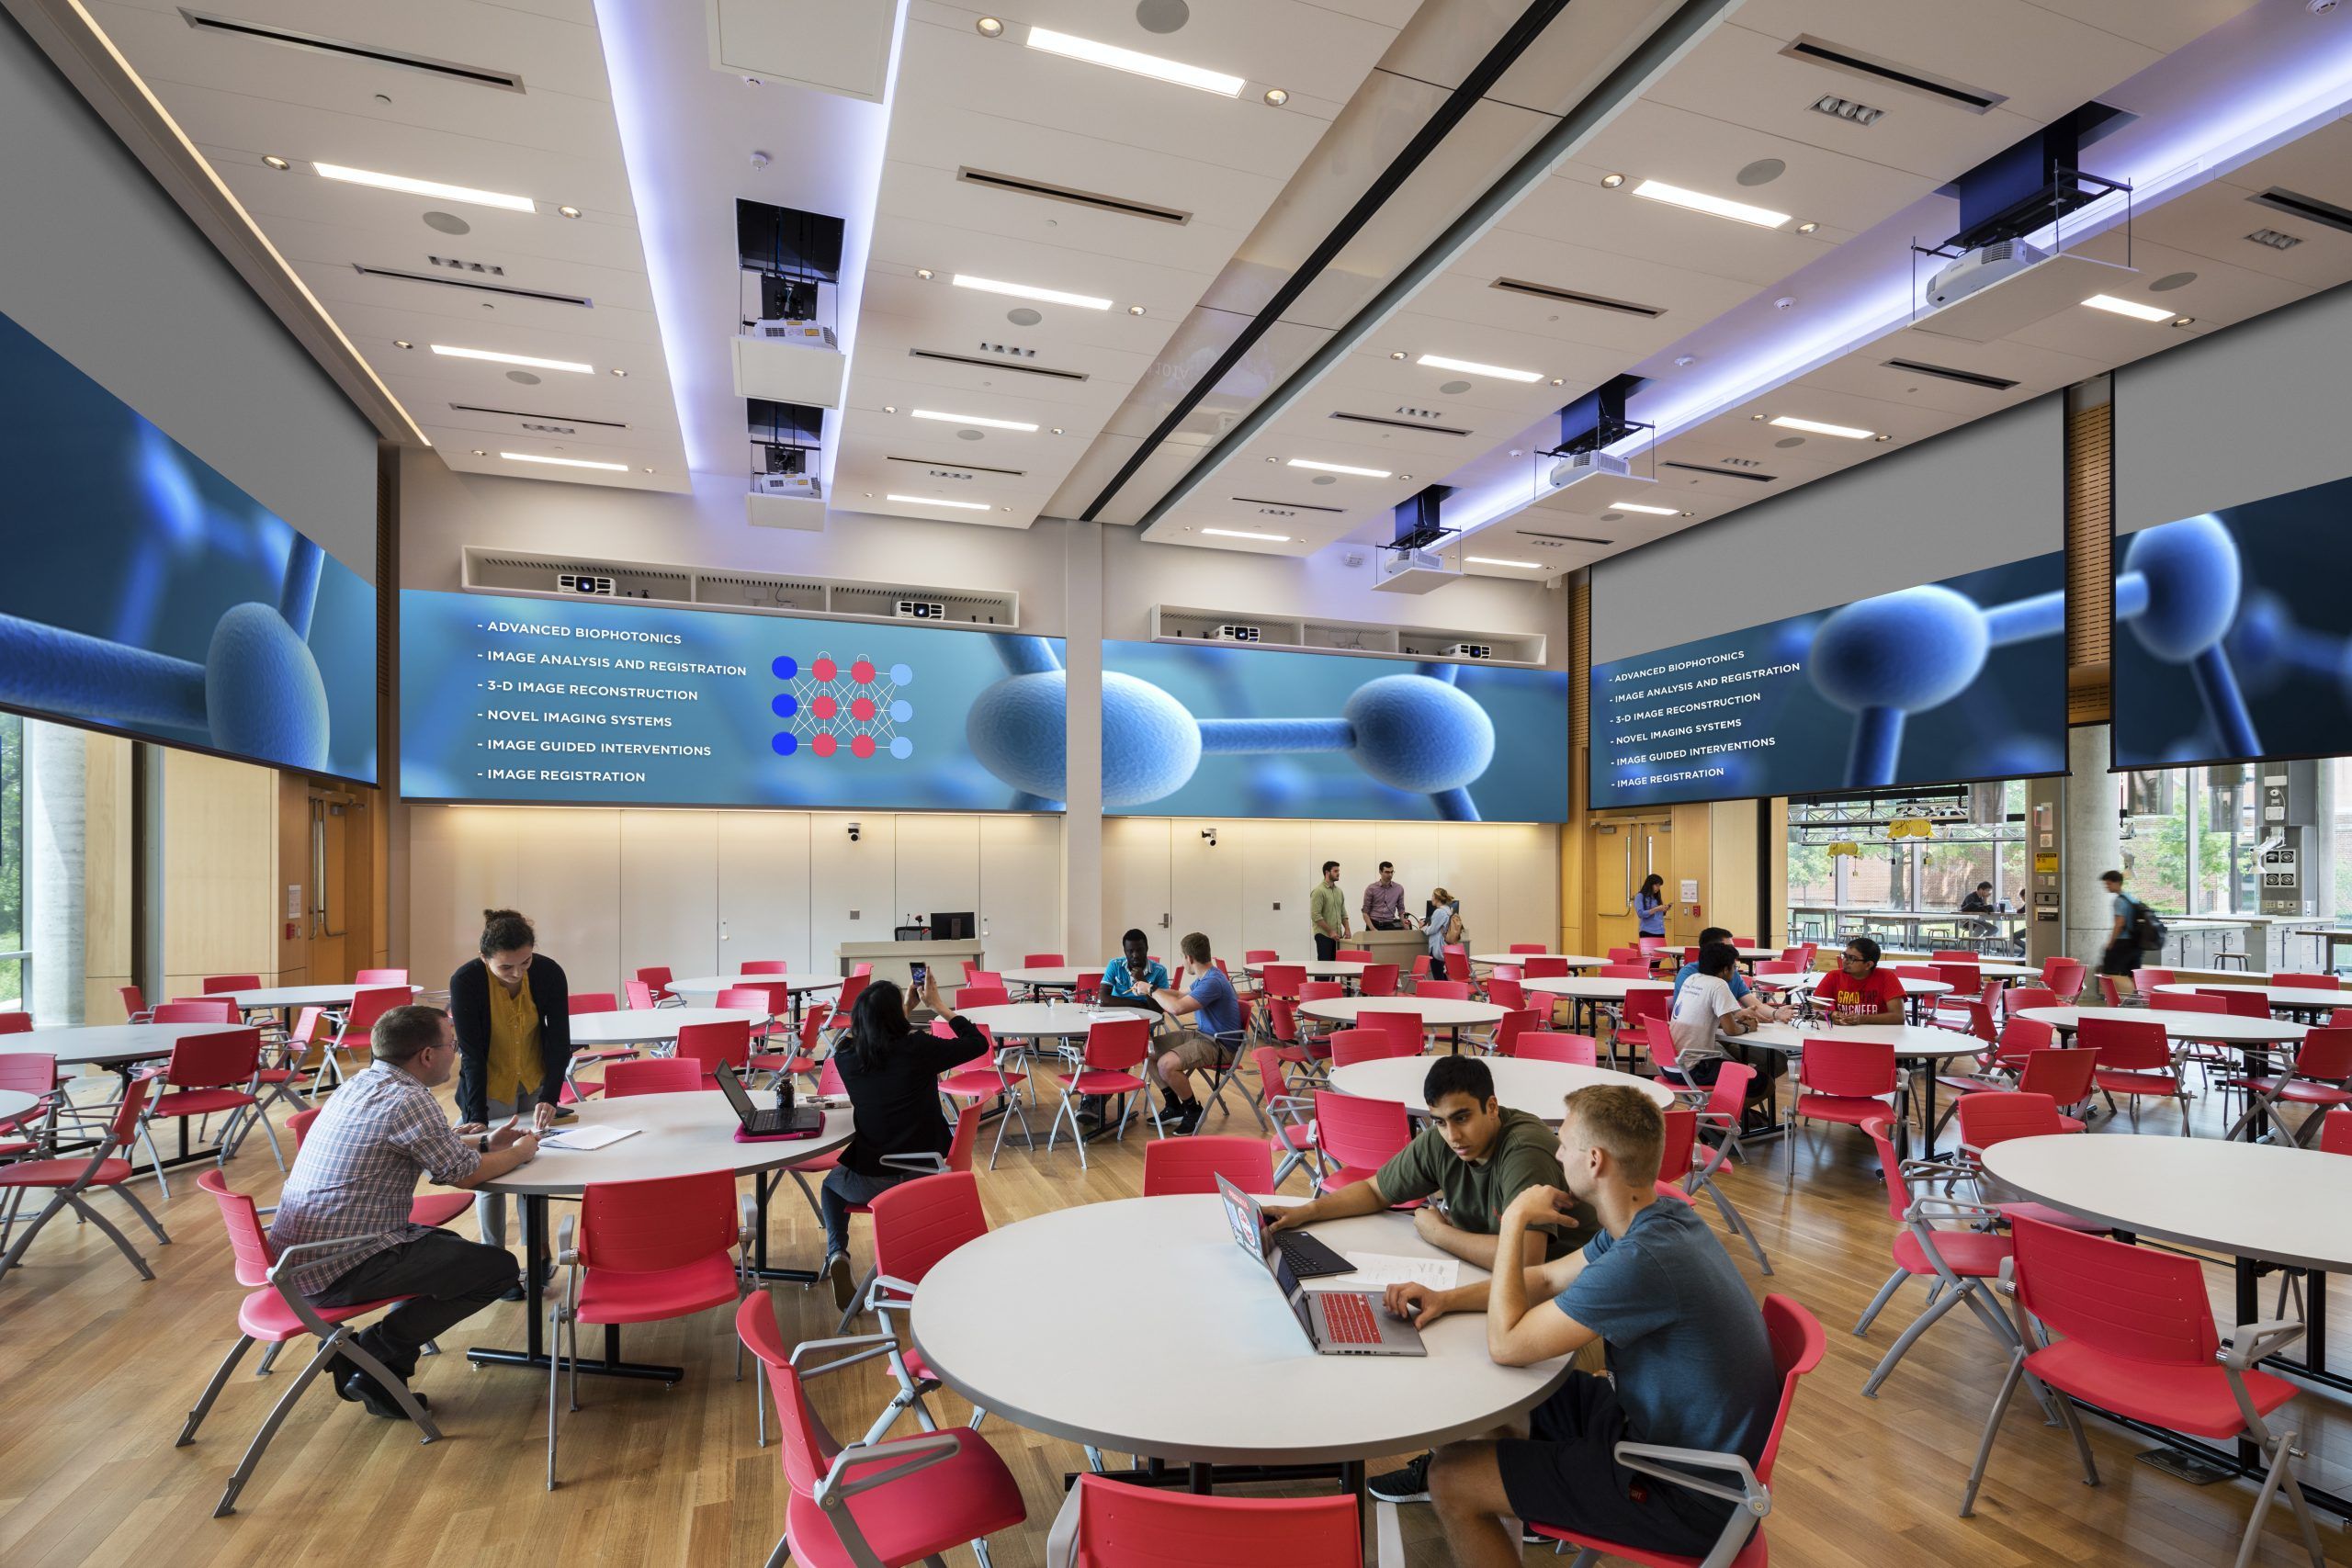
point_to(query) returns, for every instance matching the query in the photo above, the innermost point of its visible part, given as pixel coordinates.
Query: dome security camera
(853, 832)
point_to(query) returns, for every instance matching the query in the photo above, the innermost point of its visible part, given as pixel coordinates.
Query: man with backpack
(2136, 934)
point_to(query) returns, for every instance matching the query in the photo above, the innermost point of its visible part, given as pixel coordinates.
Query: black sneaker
(1183, 1120)
(371, 1392)
(844, 1283)
(1410, 1484)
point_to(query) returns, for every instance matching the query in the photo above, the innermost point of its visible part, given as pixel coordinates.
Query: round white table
(1536, 1088)
(1436, 1012)
(1989, 967)
(14, 1103)
(114, 1046)
(2287, 998)
(1592, 988)
(794, 984)
(1130, 1262)
(1572, 960)
(674, 1134)
(1928, 1048)
(2218, 1028)
(284, 998)
(1049, 1019)
(1315, 971)
(650, 1026)
(1061, 977)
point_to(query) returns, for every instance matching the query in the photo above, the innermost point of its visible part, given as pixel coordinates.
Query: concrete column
(56, 871)
(1082, 824)
(2093, 842)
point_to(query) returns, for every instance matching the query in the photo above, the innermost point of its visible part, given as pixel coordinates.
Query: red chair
(657, 1074)
(971, 996)
(1546, 1045)
(1625, 955)
(765, 967)
(892, 1504)
(1351, 955)
(2136, 1060)
(2281, 980)
(2321, 1077)
(1720, 1114)
(69, 1179)
(2146, 981)
(1281, 979)
(2335, 1133)
(192, 1009)
(1797, 1347)
(1504, 1041)
(282, 1067)
(647, 1252)
(381, 978)
(16, 1023)
(2065, 977)
(657, 979)
(2135, 1335)
(220, 984)
(998, 1077)
(1043, 961)
(33, 1073)
(1987, 1120)
(2026, 998)
(638, 994)
(209, 1074)
(985, 979)
(1349, 1046)
(1626, 972)
(1377, 980)
(1405, 1028)
(1545, 967)
(588, 1055)
(1115, 1049)
(1119, 1526)
(367, 1004)
(1505, 993)
(591, 1001)
(1289, 1113)
(1175, 1166)
(273, 1313)
(707, 1044)
(435, 1209)
(1526, 947)
(1356, 1136)
(1958, 1260)
(1843, 1080)
(1444, 990)
(916, 1223)
(802, 1060)
(134, 1004)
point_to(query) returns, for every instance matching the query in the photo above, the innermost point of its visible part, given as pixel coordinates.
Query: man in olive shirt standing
(1328, 911)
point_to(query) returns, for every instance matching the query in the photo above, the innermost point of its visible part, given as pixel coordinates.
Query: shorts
(1195, 1052)
(1566, 1475)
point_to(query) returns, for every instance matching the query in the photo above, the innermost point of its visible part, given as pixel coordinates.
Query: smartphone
(917, 974)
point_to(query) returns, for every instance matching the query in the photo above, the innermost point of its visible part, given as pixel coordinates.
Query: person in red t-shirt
(1857, 991)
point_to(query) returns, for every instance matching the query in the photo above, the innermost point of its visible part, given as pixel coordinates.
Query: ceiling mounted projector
(1980, 269)
(1578, 466)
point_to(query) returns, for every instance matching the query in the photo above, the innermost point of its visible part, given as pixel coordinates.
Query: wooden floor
(97, 1369)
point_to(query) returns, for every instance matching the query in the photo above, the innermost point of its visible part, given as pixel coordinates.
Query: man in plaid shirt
(356, 1177)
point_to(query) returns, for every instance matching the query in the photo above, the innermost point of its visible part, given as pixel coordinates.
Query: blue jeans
(845, 1187)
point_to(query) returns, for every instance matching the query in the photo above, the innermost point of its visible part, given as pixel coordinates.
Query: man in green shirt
(1328, 910)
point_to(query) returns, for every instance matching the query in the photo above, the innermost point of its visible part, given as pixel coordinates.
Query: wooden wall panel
(2091, 521)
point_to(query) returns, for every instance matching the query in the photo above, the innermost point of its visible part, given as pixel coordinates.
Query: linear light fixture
(933, 501)
(564, 462)
(1339, 468)
(1637, 506)
(1472, 367)
(1716, 206)
(1134, 61)
(523, 359)
(2131, 308)
(1029, 291)
(433, 188)
(1246, 533)
(971, 419)
(1498, 560)
(1815, 427)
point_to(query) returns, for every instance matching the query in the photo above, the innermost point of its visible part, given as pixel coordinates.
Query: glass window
(66, 816)
(12, 863)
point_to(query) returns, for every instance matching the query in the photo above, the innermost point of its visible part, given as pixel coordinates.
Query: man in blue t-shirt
(1208, 1000)
(1692, 1365)
(1691, 968)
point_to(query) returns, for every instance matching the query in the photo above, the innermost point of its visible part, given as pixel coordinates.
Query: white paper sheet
(1378, 1270)
(579, 1140)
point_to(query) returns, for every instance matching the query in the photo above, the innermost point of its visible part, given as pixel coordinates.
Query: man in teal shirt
(1134, 974)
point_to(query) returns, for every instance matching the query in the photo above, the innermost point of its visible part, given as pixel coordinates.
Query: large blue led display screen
(1946, 683)
(1206, 731)
(146, 595)
(2232, 638)
(581, 702)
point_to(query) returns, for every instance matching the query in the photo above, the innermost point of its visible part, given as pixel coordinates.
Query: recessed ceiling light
(1028, 291)
(1637, 506)
(620, 372)
(1396, 354)
(1714, 206)
(1404, 476)
(1472, 367)
(1276, 96)
(1135, 310)
(528, 361)
(1807, 227)
(1134, 61)
(1815, 427)
(2184, 321)
(932, 501)
(923, 273)
(1338, 468)
(1058, 430)
(1882, 438)
(1498, 560)
(402, 343)
(275, 162)
(889, 408)
(645, 470)
(970, 419)
(2131, 308)
(480, 452)
(1556, 381)
(568, 211)
(433, 188)
(564, 462)
(1246, 533)
(989, 27)
(1613, 181)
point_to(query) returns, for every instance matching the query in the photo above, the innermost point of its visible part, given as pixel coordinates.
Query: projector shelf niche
(1367, 639)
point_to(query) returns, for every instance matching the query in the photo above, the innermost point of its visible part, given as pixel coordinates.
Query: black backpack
(2147, 932)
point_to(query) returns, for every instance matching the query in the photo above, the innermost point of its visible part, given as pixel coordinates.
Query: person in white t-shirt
(1704, 1009)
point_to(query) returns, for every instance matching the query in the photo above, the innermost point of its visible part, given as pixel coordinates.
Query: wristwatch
(482, 1142)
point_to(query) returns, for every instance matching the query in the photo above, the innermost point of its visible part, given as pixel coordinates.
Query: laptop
(1336, 1322)
(782, 1121)
(1310, 1259)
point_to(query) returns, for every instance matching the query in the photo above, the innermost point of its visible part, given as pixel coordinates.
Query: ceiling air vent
(316, 43)
(1837, 57)
(1554, 541)
(516, 414)
(1719, 473)
(2275, 240)
(1261, 504)
(1416, 423)
(1946, 373)
(1117, 205)
(1836, 108)
(960, 471)
(551, 429)
(1571, 297)
(454, 265)
(545, 297)
(939, 357)
(2280, 199)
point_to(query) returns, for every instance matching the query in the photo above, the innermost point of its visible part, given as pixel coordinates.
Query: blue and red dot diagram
(832, 708)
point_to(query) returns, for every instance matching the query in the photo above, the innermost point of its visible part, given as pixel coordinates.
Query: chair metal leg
(760, 1394)
(1878, 1303)
(277, 1417)
(1992, 1429)
(128, 1196)
(1919, 1324)
(1738, 1225)
(48, 1211)
(856, 1301)
(781, 1555)
(268, 1359)
(555, 1373)
(2081, 1440)
(121, 1242)
(212, 1390)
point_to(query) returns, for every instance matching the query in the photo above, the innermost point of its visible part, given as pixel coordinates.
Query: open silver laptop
(1336, 1322)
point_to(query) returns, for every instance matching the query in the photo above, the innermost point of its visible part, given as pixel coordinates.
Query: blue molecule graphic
(784, 705)
(785, 743)
(901, 712)
(902, 748)
(786, 667)
(902, 675)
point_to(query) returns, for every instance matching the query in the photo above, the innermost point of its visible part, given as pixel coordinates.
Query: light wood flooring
(97, 1369)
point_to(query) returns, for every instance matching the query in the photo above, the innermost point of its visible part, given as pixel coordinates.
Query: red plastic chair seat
(817, 1165)
(2196, 1399)
(1852, 1110)
(1095, 1080)
(916, 1365)
(2070, 1124)
(1752, 1555)
(2299, 1091)
(1344, 1176)
(266, 1317)
(980, 1085)
(1972, 1254)
(198, 1101)
(2137, 1082)
(964, 1497)
(609, 1296)
(780, 1062)
(604, 1052)
(61, 1172)
(437, 1209)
